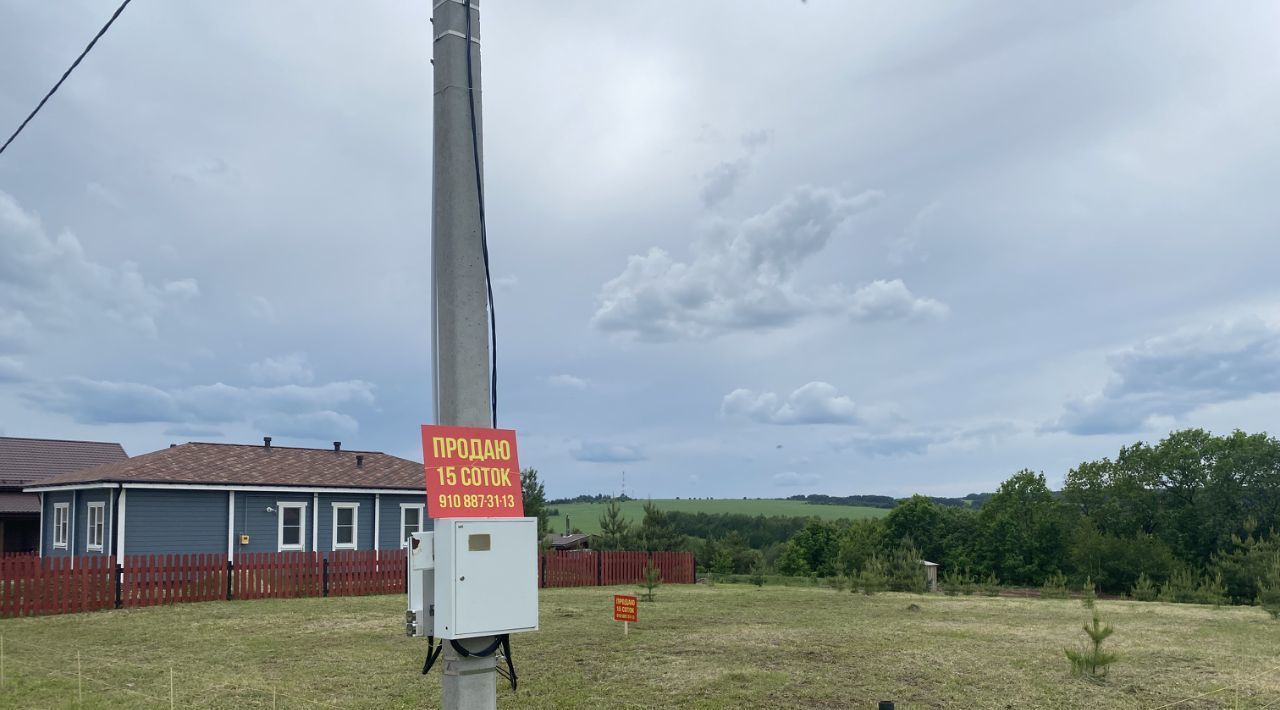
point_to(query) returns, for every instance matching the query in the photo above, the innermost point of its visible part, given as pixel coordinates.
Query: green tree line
(1193, 512)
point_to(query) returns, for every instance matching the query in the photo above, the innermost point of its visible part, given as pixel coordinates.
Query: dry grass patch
(726, 646)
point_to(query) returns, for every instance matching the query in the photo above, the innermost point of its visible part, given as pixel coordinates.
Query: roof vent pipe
(337, 446)
(266, 442)
(359, 461)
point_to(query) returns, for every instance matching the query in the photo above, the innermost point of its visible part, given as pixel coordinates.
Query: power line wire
(66, 74)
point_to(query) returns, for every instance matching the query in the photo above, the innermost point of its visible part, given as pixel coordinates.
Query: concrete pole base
(470, 682)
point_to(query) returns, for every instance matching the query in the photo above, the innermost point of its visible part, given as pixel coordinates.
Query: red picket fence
(570, 569)
(148, 580)
(361, 572)
(588, 568)
(622, 567)
(278, 575)
(30, 586)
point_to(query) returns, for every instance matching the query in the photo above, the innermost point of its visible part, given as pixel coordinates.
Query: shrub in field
(954, 583)
(1211, 590)
(1180, 588)
(757, 574)
(1090, 660)
(905, 572)
(1269, 591)
(1143, 589)
(989, 587)
(1055, 587)
(837, 582)
(652, 579)
(1088, 593)
(872, 578)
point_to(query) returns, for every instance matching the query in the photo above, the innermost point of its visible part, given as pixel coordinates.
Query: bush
(872, 578)
(1143, 589)
(1269, 591)
(905, 572)
(1180, 588)
(954, 583)
(989, 587)
(1211, 590)
(1091, 660)
(1055, 587)
(757, 574)
(837, 582)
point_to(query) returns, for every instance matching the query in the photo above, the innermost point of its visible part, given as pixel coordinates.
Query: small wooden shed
(931, 570)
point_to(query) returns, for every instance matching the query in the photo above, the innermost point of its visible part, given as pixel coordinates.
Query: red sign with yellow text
(624, 608)
(471, 472)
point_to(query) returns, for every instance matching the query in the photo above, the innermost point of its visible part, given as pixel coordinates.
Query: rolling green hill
(586, 516)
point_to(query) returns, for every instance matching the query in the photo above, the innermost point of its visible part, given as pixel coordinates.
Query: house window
(410, 521)
(345, 522)
(292, 520)
(61, 524)
(94, 528)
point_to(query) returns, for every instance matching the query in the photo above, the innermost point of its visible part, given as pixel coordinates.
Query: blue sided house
(228, 498)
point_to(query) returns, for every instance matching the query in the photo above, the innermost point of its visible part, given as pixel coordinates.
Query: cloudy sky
(741, 248)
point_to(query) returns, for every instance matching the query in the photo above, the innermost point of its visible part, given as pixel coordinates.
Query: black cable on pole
(66, 74)
(484, 236)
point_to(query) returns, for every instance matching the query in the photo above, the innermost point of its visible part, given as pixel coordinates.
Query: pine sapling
(1091, 661)
(652, 579)
(1088, 594)
(757, 575)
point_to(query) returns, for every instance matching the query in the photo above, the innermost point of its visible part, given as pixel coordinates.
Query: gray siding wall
(263, 527)
(163, 522)
(195, 521)
(389, 535)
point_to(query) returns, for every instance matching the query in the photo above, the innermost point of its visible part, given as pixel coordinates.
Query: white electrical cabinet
(474, 577)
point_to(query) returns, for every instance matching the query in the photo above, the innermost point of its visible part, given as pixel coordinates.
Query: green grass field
(586, 516)
(727, 646)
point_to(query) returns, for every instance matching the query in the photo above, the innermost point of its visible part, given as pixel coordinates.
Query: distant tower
(624, 485)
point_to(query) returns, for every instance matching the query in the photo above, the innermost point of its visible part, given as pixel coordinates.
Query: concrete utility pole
(459, 298)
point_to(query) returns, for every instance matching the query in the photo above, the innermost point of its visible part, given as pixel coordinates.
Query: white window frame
(91, 526)
(61, 527)
(302, 527)
(422, 520)
(355, 526)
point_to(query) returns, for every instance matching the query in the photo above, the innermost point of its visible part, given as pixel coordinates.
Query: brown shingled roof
(19, 503)
(255, 465)
(25, 461)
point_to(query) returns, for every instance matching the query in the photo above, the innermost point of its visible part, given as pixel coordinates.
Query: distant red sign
(624, 608)
(471, 472)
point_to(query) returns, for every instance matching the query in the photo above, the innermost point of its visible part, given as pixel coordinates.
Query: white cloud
(892, 301)
(183, 288)
(813, 403)
(569, 381)
(52, 276)
(741, 277)
(791, 479)
(1171, 376)
(606, 452)
(103, 402)
(292, 368)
